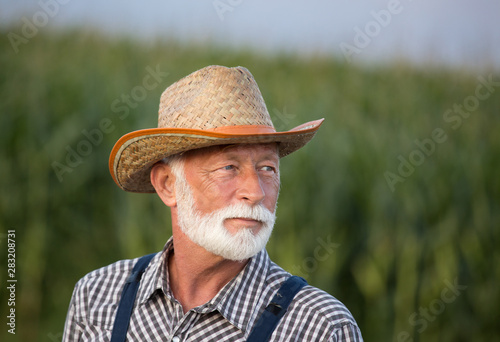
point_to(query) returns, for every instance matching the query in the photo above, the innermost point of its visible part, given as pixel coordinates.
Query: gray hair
(176, 163)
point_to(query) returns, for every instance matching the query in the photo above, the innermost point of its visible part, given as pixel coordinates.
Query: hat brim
(135, 153)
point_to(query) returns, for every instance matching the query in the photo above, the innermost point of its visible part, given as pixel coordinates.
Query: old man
(214, 161)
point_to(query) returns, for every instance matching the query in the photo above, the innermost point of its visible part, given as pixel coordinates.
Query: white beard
(209, 232)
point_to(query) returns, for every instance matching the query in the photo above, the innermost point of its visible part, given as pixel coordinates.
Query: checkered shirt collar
(234, 301)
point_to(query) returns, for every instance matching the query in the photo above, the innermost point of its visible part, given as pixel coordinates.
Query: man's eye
(267, 168)
(228, 167)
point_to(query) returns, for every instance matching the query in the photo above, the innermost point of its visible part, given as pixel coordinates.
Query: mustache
(244, 211)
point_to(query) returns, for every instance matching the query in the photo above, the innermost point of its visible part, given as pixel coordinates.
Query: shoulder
(313, 315)
(101, 287)
(107, 275)
(323, 314)
(320, 303)
(312, 300)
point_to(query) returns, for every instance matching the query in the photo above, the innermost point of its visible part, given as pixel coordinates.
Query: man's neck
(196, 275)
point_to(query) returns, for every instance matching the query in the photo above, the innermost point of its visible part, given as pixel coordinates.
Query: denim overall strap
(127, 299)
(269, 319)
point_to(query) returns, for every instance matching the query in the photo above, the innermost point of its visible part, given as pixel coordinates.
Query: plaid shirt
(313, 315)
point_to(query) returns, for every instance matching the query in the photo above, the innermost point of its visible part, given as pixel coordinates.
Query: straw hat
(212, 106)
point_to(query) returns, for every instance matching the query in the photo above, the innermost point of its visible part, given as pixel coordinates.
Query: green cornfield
(393, 208)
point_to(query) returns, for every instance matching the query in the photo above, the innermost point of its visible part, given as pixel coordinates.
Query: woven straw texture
(213, 97)
(197, 112)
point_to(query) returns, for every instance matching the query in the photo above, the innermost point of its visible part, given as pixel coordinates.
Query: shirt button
(176, 339)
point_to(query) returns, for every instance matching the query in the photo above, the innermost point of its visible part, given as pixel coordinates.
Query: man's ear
(163, 181)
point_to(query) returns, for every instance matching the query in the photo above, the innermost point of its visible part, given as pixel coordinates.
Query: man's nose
(250, 188)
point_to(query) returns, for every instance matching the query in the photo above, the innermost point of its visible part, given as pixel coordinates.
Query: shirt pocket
(102, 317)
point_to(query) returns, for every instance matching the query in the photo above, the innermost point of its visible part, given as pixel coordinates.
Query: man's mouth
(245, 222)
(243, 219)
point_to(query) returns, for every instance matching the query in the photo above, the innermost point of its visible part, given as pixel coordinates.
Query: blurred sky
(457, 32)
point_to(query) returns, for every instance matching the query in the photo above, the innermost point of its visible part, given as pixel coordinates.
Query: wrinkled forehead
(269, 150)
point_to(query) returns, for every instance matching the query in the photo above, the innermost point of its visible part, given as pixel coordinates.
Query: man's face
(227, 200)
